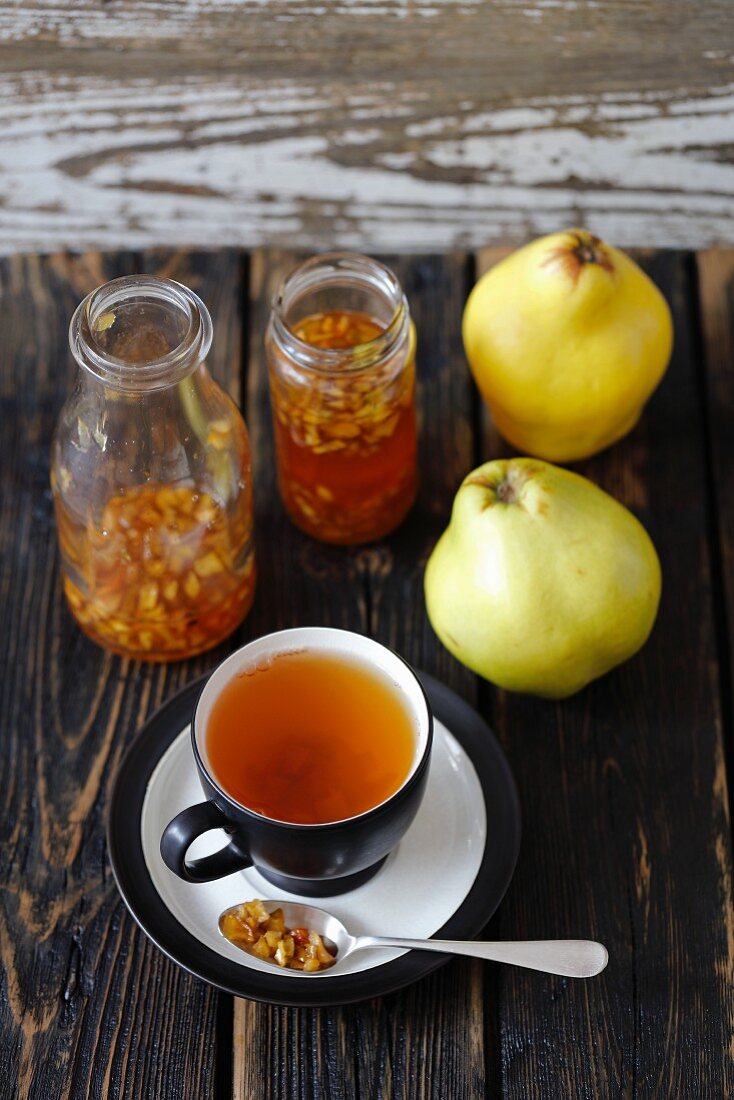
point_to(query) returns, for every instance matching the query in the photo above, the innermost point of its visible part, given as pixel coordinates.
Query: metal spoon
(571, 958)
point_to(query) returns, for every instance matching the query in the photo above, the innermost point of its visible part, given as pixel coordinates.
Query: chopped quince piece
(277, 920)
(192, 586)
(147, 597)
(208, 565)
(261, 949)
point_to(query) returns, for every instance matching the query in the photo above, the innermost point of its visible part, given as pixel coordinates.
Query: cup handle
(179, 835)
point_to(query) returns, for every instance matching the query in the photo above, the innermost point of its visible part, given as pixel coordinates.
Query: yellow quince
(566, 338)
(541, 582)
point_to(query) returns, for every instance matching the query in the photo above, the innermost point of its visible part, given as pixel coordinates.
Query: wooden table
(624, 788)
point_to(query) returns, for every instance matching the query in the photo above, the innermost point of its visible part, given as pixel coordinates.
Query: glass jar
(151, 477)
(341, 356)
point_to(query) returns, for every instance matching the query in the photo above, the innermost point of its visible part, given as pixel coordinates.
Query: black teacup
(314, 860)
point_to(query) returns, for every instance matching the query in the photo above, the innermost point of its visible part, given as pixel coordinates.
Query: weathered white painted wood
(384, 124)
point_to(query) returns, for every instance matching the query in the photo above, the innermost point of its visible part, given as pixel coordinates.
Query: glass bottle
(151, 477)
(341, 355)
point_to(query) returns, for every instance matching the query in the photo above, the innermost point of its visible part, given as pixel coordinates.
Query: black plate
(142, 899)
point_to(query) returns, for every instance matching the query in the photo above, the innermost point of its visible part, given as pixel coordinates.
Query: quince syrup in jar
(341, 356)
(151, 477)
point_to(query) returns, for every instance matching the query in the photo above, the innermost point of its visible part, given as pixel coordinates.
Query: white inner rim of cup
(338, 644)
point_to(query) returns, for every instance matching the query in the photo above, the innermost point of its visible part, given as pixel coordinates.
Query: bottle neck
(140, 333)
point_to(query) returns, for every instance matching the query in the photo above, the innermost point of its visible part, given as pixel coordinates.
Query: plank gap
(247, 334)
(492, 986)
(224, 1054)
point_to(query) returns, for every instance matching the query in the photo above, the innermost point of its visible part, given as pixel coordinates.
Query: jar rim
(340, 268)
(158, 372)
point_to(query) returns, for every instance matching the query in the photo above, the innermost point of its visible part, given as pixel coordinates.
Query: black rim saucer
(125, 848)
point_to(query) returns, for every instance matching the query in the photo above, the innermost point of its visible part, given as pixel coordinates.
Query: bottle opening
(140, 332)
(340, 282)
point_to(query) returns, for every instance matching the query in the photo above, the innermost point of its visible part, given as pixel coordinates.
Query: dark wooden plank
(280, 1052)
(429, 1039)
(716, 297)
(89, 1007)
(378, 123)
(626, 829)
(418, 1042)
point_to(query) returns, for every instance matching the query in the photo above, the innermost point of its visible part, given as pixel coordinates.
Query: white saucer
(445, 844)
(447, 876)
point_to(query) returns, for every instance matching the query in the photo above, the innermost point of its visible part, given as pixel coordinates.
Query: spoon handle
(571, 958)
